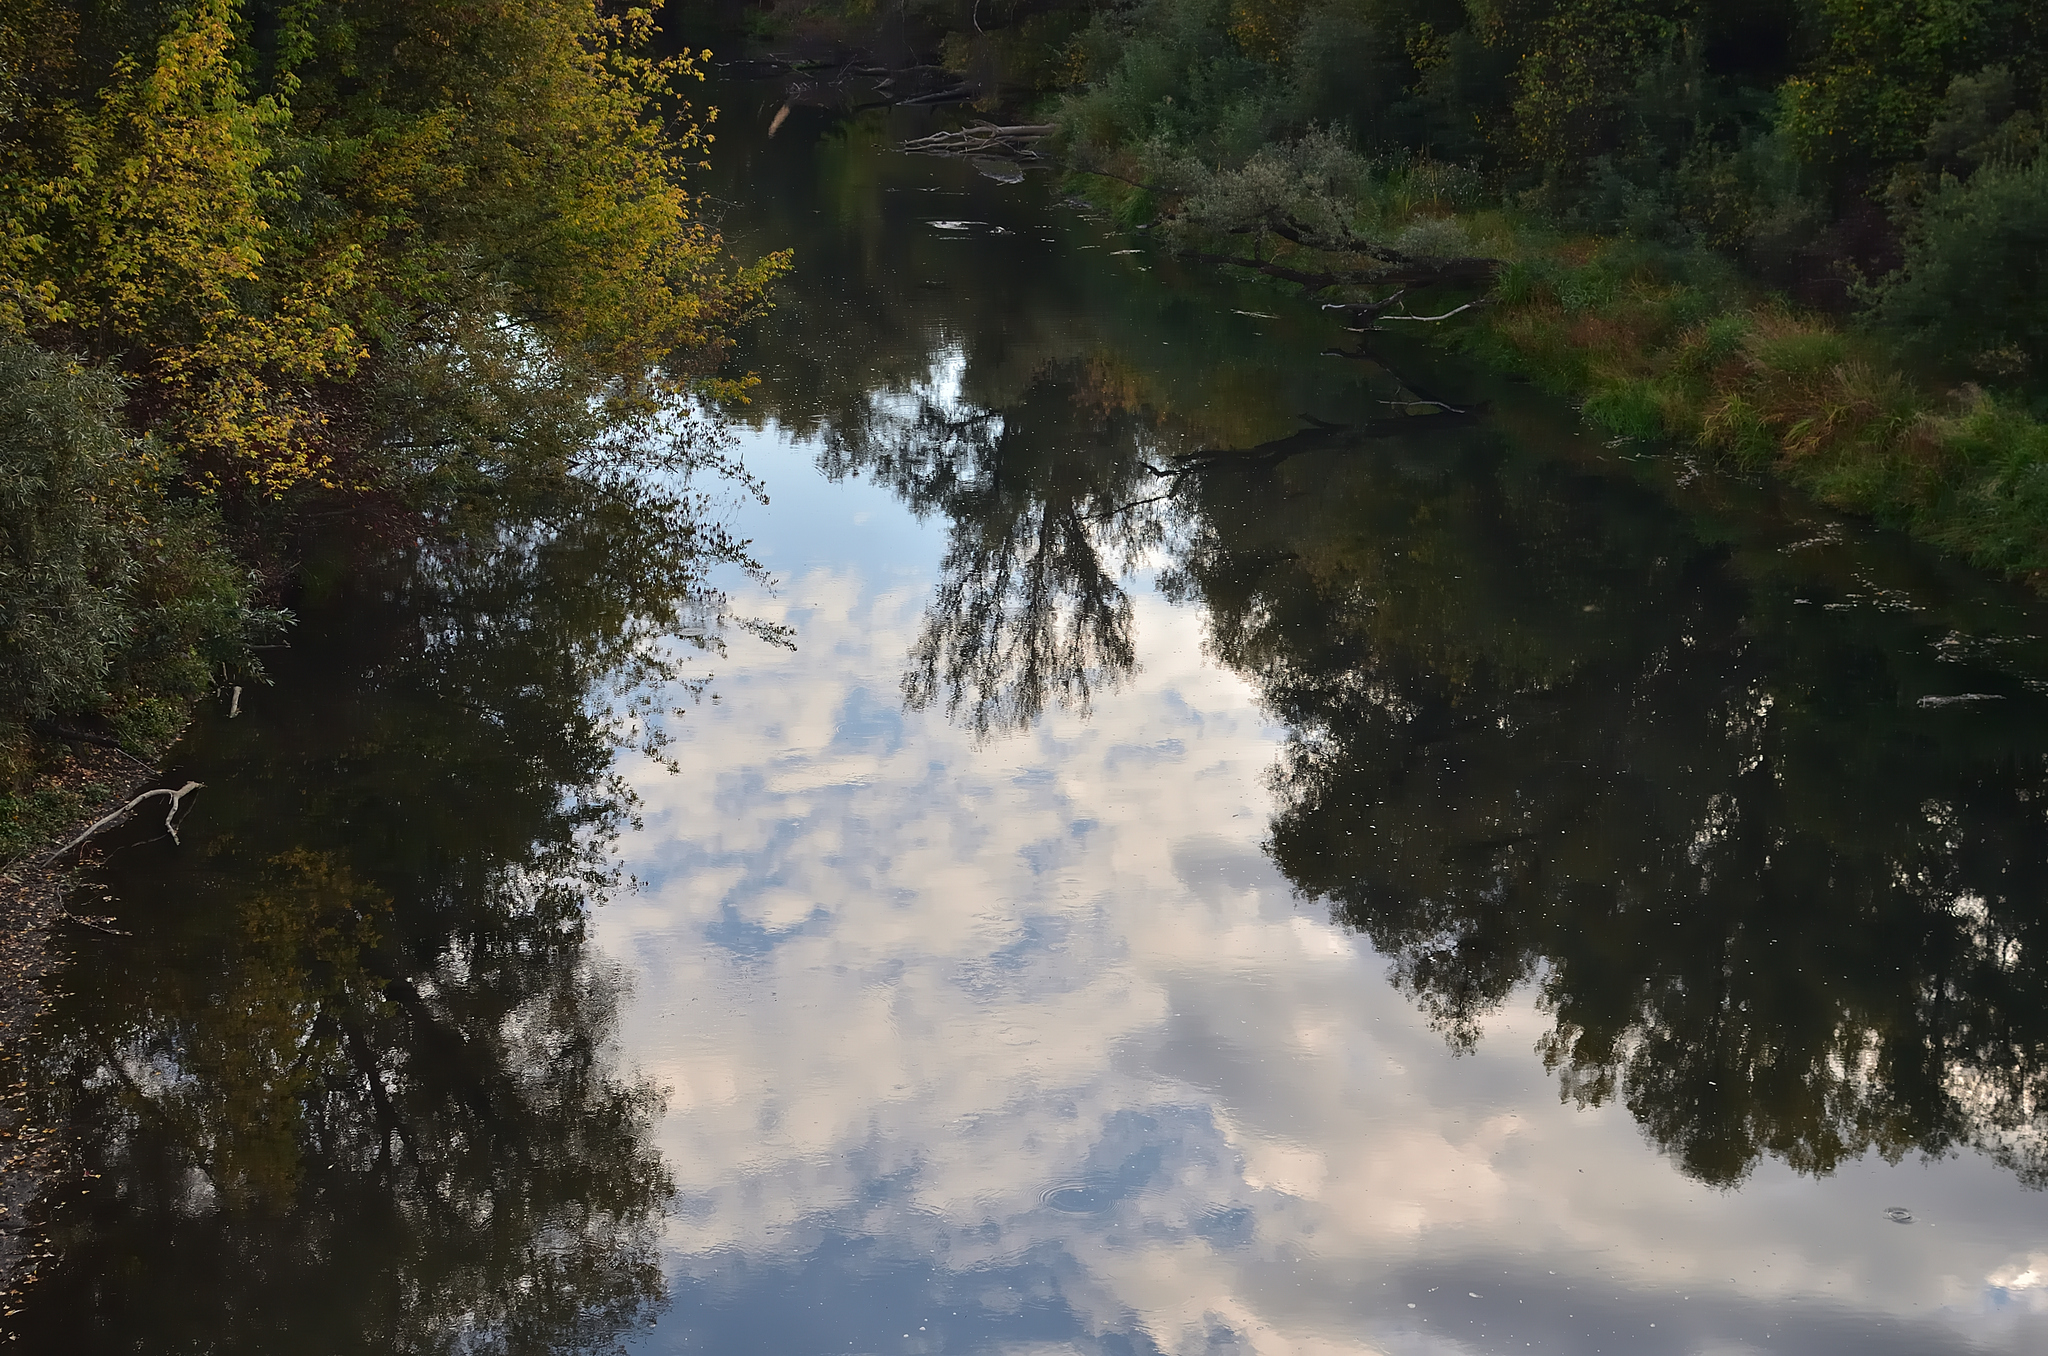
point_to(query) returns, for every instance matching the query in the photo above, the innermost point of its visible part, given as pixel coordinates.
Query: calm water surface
(1235, 860)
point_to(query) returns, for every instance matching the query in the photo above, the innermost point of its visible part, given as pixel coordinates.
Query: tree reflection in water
(1772, 904)
(1049, 506)
(1543, 729)
(349, 1084)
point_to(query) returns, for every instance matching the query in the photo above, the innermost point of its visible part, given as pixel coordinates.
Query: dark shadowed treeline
(1774, 879)
(1776, 900)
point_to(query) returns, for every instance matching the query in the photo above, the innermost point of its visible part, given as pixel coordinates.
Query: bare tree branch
(120, 816)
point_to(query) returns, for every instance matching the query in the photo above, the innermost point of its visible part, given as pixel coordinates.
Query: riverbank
(1675, 346)
(1651, 349)
(68, 796)
(1801, 239)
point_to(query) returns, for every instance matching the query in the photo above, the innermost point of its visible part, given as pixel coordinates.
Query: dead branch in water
(1433, 319)
(119, 816)
(983, 139)
(1404, 273)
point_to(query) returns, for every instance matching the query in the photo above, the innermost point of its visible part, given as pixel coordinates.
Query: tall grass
(1658, 345)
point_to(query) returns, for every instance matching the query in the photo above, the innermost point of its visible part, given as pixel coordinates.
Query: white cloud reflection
(1028, 1048)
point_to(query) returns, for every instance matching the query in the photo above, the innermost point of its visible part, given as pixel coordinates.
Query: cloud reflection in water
(1026, 1046)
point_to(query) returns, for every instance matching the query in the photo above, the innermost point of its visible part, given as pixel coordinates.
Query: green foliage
(66, 559)
(115, 601)
(1622, 160)
(1874, 88)
(1972, 286)
(243, 203)
(1759, 129)
(1996, 511)
(1314, 181)
(1633, 409)
(262, 255)
(1580, 74)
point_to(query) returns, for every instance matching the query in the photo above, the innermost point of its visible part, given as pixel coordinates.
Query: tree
(1876, 83)
(114, 600)
(1971, 288)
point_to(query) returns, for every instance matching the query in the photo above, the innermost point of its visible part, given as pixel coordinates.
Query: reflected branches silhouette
(1555, 727)
(349, 1080)
(1771, 906)
(1042, 530)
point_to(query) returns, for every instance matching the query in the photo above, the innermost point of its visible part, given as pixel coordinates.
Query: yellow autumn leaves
(241, 219)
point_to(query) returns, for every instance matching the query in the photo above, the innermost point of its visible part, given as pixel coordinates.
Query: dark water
(1236, 860)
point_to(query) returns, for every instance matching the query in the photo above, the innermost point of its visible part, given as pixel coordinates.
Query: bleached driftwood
(1433, 319)
(983, 139)
(120, 816)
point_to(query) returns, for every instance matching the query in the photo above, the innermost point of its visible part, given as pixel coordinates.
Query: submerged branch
(1138, 503)
(1433, 319)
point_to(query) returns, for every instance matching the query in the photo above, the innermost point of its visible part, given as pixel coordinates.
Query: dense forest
(276, 276)
(1800, 235)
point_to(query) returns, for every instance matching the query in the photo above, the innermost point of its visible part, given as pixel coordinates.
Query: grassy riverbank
(1657, 350)
(1678, 347)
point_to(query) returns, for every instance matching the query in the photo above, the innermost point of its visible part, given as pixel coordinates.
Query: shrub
(114, 603)
(1972, 287)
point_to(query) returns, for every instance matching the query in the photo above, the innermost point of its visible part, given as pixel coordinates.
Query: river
(1202, 849)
